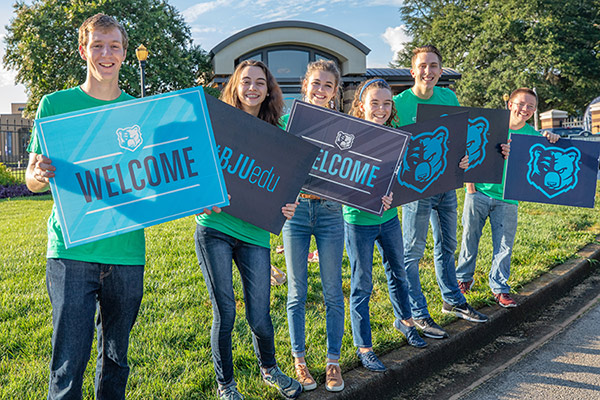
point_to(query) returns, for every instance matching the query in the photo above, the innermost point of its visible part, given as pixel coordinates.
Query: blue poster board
(133, 164)
(358, 160)
(564, 172)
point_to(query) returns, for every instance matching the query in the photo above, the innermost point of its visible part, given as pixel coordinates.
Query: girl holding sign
(221, 238)
(322, 219)
(373, 102)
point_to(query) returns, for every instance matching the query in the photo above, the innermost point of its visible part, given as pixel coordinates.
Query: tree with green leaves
(41, 45)
(500, 45)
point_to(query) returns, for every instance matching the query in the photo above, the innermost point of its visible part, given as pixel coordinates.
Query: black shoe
(430, 329)
(464, 311)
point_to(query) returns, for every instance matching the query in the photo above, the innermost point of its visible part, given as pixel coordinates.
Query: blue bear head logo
(553, 170)
(129, 138)
(425, 159)
(477, 138)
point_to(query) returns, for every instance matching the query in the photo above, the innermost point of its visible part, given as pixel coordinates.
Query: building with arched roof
(286, 47)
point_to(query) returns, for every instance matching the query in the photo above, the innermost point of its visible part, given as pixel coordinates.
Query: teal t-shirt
(496, 190)
(406, 103)
(126, 249)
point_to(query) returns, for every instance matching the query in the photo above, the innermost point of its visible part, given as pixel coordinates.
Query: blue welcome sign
(487, 129)
(430, 165)
(564, 172)
(125, 166)
(358, 159)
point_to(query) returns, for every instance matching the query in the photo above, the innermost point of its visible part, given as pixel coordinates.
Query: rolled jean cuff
(298, 354)
(334, 357)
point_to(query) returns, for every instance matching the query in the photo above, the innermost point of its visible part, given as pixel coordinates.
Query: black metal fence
(14, 139)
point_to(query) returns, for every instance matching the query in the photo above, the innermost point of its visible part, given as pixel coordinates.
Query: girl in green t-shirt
(322, 219)
(373, 102)
(221, 238)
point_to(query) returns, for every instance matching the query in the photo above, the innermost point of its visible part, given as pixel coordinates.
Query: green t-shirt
(126, 249)
(359, 217)
(283, 121)
(406, 103)
(496, 190)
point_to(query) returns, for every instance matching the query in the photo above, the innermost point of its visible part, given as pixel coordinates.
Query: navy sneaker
(288, 387)
(412, 336)
(229, 393)
(430, 328)
(370, 361)
(464, 311)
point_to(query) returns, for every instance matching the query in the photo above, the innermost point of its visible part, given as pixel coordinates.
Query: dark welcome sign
(263, 166)
(138, 163)
(358, 159)
(430, 166)
(487, 130)
(564, 172)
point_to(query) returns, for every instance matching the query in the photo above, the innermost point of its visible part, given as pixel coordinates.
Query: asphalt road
(566, 367)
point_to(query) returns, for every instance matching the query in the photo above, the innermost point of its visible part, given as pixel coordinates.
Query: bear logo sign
(129, 138)
(425, 160)
(476, 140)
(344, 140)
(553, 170)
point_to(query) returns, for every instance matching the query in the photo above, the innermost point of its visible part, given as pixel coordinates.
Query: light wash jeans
(503, 220)
(215, 251)
(323, 219)
(441, 211)
(77, 291)
(360, 241)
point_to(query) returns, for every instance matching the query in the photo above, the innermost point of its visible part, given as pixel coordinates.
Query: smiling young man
(440, 209)
(106, 275)
(485, 200)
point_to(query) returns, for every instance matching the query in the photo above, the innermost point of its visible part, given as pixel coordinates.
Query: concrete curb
(407, 365)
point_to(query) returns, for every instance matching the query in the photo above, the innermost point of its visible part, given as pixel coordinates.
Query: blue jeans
(359, 246)
(441, 211)
(323, 219)
(215, 250)
(76, 290)
(503, 221)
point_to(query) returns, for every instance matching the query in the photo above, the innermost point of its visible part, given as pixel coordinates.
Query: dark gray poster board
(358, 159)
(263, 166)
(564, 172)
(430, 166)
(487, 130)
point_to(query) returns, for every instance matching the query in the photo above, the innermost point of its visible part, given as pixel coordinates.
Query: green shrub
(6, 177)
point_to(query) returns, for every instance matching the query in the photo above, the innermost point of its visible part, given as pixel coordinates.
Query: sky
(375, 23)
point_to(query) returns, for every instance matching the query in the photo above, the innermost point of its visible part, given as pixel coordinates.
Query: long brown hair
(271, 108)
(361, 93)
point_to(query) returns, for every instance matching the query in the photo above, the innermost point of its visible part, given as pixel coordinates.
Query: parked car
(568, 132)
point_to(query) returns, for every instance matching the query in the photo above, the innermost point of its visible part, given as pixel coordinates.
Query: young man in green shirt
(485, 200)
(106, 275)
(440, 209)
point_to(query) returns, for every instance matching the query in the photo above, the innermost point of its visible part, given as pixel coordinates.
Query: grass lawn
(170, 345)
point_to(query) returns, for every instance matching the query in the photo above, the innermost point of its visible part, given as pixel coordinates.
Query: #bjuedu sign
(129, 165)
(264, 167)
(358, 159)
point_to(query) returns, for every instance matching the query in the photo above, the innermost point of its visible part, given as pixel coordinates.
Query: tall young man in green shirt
(485, 200)
(440, 209)
(106, 275)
